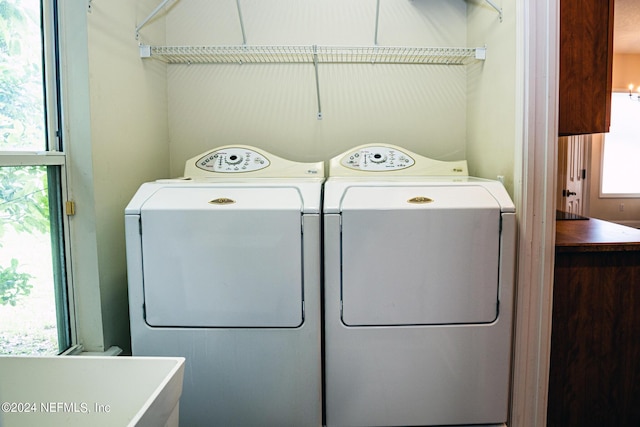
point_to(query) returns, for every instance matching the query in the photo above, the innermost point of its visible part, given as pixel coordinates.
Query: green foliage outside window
(24, 207)
(13, 284)
(24, 204)
(21, 94)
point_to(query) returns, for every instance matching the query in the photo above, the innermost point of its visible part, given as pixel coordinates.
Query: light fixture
(631, 92)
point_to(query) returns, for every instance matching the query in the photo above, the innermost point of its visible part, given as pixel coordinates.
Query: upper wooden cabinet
(586, 58)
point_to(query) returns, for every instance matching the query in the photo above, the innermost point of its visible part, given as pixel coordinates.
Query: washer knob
(378, 158)
(233, 159)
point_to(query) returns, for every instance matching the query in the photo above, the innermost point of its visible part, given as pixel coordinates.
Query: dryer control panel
(232, 160)
(390, 160)
(377, 158)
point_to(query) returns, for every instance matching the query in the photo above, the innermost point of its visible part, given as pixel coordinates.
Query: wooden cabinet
(594, 377)
(586, 58)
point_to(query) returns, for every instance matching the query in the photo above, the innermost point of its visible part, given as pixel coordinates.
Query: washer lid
(419, 256)
(309, 193)
(186, 198)
(223, 257)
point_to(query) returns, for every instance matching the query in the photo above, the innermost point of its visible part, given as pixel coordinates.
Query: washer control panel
(232, 160)
(377, 158)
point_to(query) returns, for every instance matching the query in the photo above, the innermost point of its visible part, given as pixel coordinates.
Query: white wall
(424, 108)
(129, 140)
(494, 110)
(626, 70)
(115, 112)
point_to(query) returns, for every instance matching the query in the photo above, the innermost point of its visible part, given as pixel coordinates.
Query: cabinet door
(586, 57)
(594, 379)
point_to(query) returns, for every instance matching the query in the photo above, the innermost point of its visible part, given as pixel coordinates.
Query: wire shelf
(312, 54)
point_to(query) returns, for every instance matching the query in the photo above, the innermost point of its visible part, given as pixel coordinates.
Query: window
(34, 292)
(621, 149)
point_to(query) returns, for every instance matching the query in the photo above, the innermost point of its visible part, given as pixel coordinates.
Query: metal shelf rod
(496, 7)
(375, 36)
(315, 65)
(244, 37)
(151, 15)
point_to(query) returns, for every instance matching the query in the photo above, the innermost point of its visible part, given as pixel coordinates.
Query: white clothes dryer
(224, 270)
(419, 287)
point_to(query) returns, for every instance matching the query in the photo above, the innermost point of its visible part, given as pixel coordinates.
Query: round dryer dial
(232, 160)
(377, 158)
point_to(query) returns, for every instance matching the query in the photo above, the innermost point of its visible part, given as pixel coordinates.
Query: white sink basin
(90, 391)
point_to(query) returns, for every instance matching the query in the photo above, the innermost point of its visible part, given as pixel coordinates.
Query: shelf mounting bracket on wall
(495, 6)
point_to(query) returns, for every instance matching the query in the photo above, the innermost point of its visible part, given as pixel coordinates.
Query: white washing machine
(419, 288)
(224, 269)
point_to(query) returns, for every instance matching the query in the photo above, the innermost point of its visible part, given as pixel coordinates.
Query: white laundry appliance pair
(225, 268)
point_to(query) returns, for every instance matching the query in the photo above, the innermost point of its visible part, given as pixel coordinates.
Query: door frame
(536, 165)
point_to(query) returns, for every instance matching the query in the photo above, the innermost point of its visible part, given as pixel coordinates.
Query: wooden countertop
(595, 235)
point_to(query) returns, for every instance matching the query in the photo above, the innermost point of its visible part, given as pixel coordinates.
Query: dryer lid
(467, 191)
(394, 197)
(223, 257)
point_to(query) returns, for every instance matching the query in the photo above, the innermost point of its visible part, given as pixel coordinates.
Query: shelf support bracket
(481, 53)
(495, 6)
(315, 66)
(150, 17)
(244, 37)
(145, 51)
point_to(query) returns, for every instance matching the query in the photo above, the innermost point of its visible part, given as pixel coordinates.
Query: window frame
(53, 156)
(601, 193)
